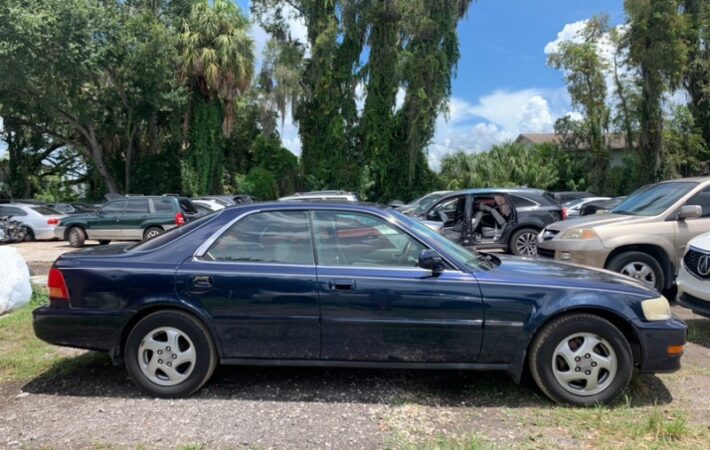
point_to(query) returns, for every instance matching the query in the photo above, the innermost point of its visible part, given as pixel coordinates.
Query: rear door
(377, 305)
(258, 282)
(133, 217)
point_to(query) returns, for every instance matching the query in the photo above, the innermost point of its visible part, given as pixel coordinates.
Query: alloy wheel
(526, 244)
(584, 364)
(166, 356)
(640, 271)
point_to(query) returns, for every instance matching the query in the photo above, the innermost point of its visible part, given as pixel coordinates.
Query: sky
(503, 86)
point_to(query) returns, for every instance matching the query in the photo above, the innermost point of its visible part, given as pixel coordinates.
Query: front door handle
(341, 285)
(202, 281)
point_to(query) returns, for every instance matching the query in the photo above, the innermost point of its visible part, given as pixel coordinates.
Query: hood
(561, 274)
(701, 242)
(595, 220)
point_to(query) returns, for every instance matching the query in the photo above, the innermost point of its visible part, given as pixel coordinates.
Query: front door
(377, 305)
(258, 283)
(104, 223)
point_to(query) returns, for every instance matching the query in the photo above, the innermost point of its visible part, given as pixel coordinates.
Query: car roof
(702, 179)
(499, 190)
(275, 205)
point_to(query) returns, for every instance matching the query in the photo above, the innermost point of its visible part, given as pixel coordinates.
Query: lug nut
(577, 358)
(587, 372)
(160, 361)
(594, 364)
(170, 364)
(160, 352)
(174, 356)
(167, 348)
(587, 356)
(577, 369)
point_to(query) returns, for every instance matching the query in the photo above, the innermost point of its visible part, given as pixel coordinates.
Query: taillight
(179, 219)
(53, 221)
(564, 213)
(57, 286)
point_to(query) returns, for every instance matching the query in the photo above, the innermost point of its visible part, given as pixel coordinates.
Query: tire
(153, 372)
(566, 379)
(523, 242)
(104, 242)
(640, 266)
(76, 237)
(29, 235)
(152, 232)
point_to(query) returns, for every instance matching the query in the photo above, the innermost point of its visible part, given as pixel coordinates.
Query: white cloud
(570, 32)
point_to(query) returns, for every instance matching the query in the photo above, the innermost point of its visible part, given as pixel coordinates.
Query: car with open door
(351, 285)
(487, 219)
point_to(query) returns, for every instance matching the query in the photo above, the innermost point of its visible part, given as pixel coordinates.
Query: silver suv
(644, 237)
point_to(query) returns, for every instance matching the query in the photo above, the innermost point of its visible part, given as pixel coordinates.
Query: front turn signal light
(675, 350)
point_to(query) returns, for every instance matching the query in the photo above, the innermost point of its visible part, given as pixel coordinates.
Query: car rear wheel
(152, 232)
(170, 354)
(581, 359)
(639, 266)
(76, 237)
(524, 242)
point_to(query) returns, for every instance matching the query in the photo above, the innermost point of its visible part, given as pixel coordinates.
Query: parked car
(568, 196)
(600, 207)
(72, 208)
(209, 204)
(228, 200)
(326, 196)
(39, 221)
(507, 219)
(574, 207)
(346, 284)
(694, 276)
(644, 237)
(131, 218)
(419, 206)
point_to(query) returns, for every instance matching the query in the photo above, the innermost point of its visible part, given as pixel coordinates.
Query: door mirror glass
(430, 260)
(690, 212)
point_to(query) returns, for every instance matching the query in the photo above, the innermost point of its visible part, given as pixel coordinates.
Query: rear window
(172, 234)
(45, 211)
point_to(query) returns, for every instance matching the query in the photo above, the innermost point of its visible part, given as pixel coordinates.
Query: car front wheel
(524, 242)
(639, 266)
(170, 354)
(581, 359)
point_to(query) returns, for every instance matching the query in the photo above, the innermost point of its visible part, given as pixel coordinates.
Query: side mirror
(690, 212)
(429, 259)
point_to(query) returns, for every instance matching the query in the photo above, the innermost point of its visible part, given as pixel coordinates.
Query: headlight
(580, 233)
(656, 309)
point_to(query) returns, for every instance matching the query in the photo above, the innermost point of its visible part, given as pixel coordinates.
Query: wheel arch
(656, 251)
(74, 225)
(117, 353)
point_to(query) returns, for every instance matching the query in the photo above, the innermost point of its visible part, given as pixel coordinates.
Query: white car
(322, 196)
(574, 207)
(211, 204)
(39, 220)
(694, 276)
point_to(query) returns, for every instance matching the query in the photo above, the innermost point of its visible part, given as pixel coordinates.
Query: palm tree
(217, 54)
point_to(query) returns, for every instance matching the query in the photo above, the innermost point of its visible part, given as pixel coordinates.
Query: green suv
(127, 219)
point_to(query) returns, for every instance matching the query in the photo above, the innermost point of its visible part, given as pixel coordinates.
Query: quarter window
(362, 240)
(281, 237)
(163, 205)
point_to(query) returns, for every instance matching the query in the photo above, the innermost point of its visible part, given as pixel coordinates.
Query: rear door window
(137, 206)
(276, 237)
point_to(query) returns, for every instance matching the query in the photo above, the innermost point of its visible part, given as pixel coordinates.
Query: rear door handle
(202, 281)
(341, 285)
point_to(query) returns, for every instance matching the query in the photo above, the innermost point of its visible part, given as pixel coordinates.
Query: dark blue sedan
(351, 285)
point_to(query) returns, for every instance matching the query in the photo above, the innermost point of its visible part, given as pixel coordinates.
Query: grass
(23, 356)
(699, 332)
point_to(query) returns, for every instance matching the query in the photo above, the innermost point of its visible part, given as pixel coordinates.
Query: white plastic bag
(15, 287)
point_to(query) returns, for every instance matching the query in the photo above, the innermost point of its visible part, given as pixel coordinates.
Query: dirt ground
(84, 402)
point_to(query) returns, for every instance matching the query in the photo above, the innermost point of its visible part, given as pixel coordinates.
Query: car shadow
(699, 331)
(92, 375)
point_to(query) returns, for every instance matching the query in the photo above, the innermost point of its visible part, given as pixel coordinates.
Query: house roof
(616, 141)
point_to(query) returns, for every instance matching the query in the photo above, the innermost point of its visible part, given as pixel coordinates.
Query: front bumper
(655, 338)
(586, 252)
(93, 330)
(693, 293)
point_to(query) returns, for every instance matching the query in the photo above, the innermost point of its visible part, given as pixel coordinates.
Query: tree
(685, 152)
(657, 50)
(697, 74)
(585, 73)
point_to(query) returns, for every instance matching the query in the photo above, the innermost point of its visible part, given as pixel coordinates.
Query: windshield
(655, 199)
(172, 234)
(421, 205)
(459, 254)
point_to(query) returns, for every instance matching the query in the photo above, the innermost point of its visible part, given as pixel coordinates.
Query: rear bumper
(655, 338)
(87, 329)
(44, 233)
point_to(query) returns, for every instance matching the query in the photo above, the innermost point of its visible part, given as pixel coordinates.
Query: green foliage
(507, 165)
(263, 184)
(201, 166)
(685, 152)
